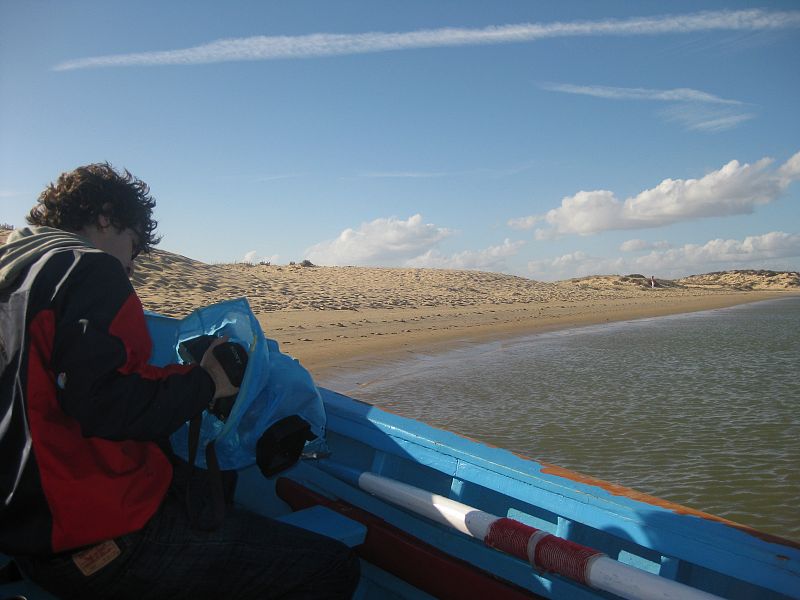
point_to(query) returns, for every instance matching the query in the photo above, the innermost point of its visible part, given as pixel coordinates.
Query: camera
(231, 355)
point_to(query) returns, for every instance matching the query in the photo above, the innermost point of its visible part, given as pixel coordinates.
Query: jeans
(249, 556)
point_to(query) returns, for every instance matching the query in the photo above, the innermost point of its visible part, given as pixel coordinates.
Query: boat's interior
(408, 556)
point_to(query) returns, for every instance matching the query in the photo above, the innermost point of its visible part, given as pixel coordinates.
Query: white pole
(601, 572)
(448, 512)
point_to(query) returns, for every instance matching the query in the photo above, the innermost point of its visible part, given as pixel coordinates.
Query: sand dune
(335, 318)
(340, 318)
(295, 287)
(745, 280)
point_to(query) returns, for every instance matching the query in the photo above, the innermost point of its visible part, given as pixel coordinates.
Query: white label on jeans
(91, 560)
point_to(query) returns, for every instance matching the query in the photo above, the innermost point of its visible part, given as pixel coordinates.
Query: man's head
(102, 204)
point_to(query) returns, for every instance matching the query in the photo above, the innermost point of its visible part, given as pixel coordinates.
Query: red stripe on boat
(407, 557)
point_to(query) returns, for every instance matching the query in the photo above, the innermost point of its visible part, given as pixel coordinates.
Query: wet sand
(330, 344)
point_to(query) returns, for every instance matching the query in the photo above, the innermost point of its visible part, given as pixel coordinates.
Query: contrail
(329, 44)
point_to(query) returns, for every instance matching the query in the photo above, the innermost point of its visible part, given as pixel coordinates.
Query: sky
(548, 140)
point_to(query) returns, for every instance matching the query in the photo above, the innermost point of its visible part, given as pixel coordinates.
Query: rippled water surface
(701, 409)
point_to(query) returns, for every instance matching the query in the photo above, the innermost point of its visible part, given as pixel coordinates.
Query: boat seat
(327, 522)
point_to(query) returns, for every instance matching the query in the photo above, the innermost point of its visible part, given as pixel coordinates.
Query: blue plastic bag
(275, 385)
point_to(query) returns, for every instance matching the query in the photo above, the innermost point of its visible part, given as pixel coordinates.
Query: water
(700, 409)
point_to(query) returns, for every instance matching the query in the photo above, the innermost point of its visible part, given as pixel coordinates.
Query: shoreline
(335, 344)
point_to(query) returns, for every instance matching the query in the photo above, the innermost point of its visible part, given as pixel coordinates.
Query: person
(94, 503)
(652, 281)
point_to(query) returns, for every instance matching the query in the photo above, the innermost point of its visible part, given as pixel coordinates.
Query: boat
(436, 515)
(433, 514)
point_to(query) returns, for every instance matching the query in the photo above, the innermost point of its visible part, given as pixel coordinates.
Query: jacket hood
(27, 245)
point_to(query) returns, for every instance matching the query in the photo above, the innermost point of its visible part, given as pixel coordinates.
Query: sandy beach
(365, 338)
(335, 319)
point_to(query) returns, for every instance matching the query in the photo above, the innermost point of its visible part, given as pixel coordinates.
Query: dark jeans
(249, 556)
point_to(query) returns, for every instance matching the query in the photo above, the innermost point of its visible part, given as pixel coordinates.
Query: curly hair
(79, 197)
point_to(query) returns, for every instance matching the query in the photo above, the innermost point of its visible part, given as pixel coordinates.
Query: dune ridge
(336, 319)
(296, 287)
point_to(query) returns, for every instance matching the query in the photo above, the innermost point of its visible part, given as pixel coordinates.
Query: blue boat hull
(408, 556)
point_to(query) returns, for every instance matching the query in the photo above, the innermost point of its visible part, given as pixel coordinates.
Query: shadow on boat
(669, 540)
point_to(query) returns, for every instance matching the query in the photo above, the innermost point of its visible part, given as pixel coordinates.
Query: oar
(543, 550)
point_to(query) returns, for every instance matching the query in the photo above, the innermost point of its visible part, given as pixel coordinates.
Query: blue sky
(543, 139)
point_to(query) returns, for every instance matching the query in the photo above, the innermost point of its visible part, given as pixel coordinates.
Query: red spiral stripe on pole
(552, 554)
(510, 536)
(563, 557)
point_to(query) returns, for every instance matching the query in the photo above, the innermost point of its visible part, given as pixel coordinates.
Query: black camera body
(232, 357)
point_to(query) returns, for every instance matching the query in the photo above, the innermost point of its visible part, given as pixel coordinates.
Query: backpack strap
(214, 479)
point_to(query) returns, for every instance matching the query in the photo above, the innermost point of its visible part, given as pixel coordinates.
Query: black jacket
(81, 410)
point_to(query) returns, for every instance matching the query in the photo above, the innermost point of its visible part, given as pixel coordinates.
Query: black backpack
(15, 435)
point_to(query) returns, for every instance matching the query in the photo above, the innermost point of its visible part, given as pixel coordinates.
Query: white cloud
(775, 250)
(640, 245)
(382, 242)
(253, 258)
(790, 170)
(720, 122)
(407, 243)
(574, 264)
(719, 253)
(488, 259)
(734, 189)
(703, 118)
(620, 93)
(634, 246)
(405, 174)
(694, 109)
(326, 44)
(525, 222)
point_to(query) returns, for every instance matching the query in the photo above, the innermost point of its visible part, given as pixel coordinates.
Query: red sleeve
(100, 359)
